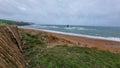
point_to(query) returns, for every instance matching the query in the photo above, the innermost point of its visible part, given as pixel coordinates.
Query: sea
(101, 32)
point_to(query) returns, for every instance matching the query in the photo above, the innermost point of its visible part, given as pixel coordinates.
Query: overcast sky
(74, 12)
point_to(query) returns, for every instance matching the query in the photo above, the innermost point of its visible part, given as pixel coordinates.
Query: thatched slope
(10, 48)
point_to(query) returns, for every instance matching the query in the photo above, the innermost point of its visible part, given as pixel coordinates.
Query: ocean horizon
(101, 32)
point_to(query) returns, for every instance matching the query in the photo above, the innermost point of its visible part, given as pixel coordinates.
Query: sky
(72, 12)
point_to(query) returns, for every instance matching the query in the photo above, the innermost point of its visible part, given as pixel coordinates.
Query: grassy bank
(38, 55)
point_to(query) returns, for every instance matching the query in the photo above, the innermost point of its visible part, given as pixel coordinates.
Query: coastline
(82, 41)
(78, 35)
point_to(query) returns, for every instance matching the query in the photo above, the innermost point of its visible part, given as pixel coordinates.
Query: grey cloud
(79, 12)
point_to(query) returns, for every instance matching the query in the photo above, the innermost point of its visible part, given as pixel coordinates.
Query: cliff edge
(10, 48)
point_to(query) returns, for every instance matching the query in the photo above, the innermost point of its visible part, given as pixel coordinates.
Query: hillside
(10, 48)
(43, 50)
(20, 48)
(11, 22)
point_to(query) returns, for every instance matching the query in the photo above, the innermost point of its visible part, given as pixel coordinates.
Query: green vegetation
(7, 21)
(37, 55)
(11, 22)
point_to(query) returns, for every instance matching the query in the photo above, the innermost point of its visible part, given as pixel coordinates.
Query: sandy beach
(100, 44)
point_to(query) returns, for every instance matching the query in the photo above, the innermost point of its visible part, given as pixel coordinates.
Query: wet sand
(100, 44)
